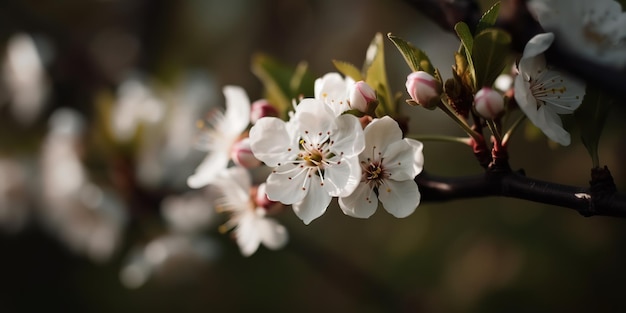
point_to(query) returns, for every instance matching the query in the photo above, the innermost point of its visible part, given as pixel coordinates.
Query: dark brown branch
(600, 199)
(515, 18)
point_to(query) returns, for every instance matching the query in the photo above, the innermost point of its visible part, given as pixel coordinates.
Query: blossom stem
(507, 135)
(461, 140)
(444, 107)
(494, 130)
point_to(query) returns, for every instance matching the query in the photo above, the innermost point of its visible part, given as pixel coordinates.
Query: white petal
(270, 141)
(247, 235)
(403, 159)
(348, 136)
(273, 235)
(208, 170)
(239, 176)
(399, 198)
(362, 203)
(551, 125)
(237, 109)
(313, 115)
(524, 97)
(288, 184)
(314, 203)
(379, 133)
(532, 58)
(341, 179)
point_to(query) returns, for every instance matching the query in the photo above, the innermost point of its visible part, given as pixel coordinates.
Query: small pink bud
(423, 88)
(488, 103)
(242, 155)
(262, 108)
(362, 96)
(263, 201)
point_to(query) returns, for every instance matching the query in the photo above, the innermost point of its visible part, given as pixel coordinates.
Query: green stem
(494, 130)
(442, 138)
(507, 135)
(444, 107)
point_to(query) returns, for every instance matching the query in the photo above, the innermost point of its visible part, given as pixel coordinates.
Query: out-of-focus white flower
(314, 156)
(14, 208)
(218, 139)
(249, 221)
(188, 213)
(543, 93)
(488, 103)
(389, 164)
(166, 154)
(169, 258)
(423, 88)
(24, 73)
(136, 103)
(88, 218)
(594, 29)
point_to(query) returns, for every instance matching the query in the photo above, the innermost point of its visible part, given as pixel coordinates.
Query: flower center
(547, 89)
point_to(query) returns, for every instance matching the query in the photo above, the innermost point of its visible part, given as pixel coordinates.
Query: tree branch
(599, 199)
(515, 18)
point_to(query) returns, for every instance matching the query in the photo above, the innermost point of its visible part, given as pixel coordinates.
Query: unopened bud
(362, 97)
(423, 88)
(263, 201)
(488, 103)
(262, 108)
(242, 155)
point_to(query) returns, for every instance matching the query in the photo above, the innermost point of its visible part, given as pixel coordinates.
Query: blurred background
(98, 106)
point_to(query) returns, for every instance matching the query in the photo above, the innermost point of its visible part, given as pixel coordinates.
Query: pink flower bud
(262, 108)
(423, 88)
(242, 155)
(263, 201)
(361, 96)
(488, 103)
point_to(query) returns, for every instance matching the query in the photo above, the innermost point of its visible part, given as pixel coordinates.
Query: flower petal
(403, 159)
(237, 109)
(273, 235)
(362, 203)
(288, 184)
(271, 143)
(314, 203)
(341, 179)
(209, 169)
(399, 198)
(551, 125)
(379, 133)
(247, 233)
(348, 136)
(532, 58)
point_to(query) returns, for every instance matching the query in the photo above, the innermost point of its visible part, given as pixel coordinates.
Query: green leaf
(491, 48)
(282, 83)
(467, 40)
(414, 57)
(489, 18)
(348, 70)
(591, 116)
(376, 75)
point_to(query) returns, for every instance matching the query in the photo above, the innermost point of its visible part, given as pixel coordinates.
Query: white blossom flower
(26, 80)
(136, 103)
(315, 157)
(88, 218)
(543, 93)
(249, 222)
(389, 164)
(593, 29)
(223, 132)
(343, 94)
(188, 213)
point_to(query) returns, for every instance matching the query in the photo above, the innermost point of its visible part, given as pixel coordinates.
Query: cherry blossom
(389, 164)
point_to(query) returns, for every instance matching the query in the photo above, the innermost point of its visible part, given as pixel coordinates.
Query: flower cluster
(322, 151)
